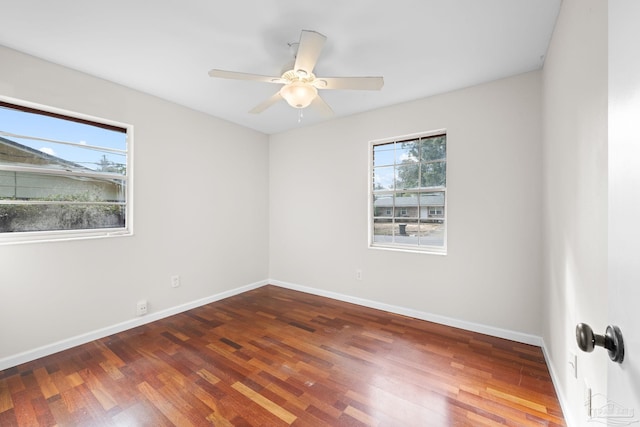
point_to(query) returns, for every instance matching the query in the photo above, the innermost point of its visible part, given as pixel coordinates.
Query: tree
(425, 165)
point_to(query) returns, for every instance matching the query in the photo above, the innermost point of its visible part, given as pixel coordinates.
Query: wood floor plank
(270, 406)
(6, 402)
(167, 408)
(277, 357)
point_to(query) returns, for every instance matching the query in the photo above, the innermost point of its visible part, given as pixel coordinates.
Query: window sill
(397, 248)
(60, 236)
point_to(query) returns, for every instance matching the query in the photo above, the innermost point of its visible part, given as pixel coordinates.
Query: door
(623, 380)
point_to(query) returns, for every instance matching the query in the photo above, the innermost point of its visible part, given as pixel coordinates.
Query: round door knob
(611, 340)
(585, 337)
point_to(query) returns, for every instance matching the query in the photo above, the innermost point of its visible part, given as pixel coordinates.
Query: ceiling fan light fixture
(300, 85)
(298, 94)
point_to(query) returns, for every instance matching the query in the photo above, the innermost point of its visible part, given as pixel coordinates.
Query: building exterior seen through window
(408, 193)
(62, 174)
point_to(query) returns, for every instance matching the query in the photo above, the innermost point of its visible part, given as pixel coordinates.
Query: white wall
(575, 195)
(201, 197)
(492, 273)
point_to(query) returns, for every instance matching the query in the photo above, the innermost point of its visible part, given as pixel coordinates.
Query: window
(408, 178)
(62, 175)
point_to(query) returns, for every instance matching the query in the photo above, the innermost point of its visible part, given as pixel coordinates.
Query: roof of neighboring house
(428, 199)
(38, 156)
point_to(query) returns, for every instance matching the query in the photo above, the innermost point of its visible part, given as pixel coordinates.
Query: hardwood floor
(276, 357)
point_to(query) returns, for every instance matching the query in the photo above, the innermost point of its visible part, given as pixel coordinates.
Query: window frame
(393, 246)
(73, 234)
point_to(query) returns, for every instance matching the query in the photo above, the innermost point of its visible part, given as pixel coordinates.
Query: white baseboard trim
(27, 356)
(435, 318)
(564, 403)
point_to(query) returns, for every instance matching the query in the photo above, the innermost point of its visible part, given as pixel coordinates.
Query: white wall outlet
(175, 281)
(141, 308)
(573, 364)
(358, 274)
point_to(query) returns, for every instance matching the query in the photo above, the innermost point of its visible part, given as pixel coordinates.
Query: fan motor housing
(296, 76)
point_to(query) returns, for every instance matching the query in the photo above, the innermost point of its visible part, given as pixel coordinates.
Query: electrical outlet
(141, 308)
(358, 274)
(175, 281)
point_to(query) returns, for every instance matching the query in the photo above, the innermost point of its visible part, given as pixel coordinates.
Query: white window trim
(66, 235)
(431, 250)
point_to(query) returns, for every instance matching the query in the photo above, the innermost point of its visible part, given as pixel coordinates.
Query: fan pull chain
(300, 115)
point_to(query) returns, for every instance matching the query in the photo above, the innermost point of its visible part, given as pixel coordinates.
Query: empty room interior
(361, 213)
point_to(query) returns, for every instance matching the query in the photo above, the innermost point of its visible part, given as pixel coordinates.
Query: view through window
(408, 193)
(61, 172)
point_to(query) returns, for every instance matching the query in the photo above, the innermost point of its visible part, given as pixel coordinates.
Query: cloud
(83, 142)
(48, 150)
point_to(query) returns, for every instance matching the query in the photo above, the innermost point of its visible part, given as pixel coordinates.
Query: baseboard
(65, 344)
(564, 403)
(435, 318)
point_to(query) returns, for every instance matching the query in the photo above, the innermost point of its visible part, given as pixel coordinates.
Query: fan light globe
(298, 94)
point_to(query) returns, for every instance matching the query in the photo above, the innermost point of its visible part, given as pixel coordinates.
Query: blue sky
(19, 122)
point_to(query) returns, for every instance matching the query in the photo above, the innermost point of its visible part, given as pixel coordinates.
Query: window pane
(383, 154)
(26, 152)
(432, 200)
(383, 206)
(406, 205)
(383, 178)
(405, 232)
(44, 151)
(35, 186)
(408, 152)
(383, 230)
(433, 174)
(14, 218)
(432, 225)
(432, 234)
(408, 175)
(434, 148)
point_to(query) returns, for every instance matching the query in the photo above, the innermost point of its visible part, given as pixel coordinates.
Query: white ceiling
(166, 47)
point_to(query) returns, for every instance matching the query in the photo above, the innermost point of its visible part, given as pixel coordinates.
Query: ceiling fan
(300, 85)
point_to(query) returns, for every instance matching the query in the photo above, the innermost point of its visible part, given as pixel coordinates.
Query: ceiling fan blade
(321, 106)
(266, 104)
(351, 83)
(245, 76)
(309, 48)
